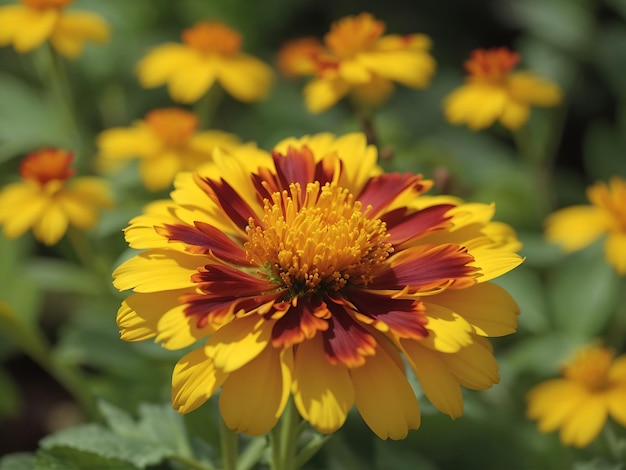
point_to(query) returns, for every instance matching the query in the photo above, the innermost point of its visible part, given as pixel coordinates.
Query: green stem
(190, 463)
(228, 444)
(206, 106)
(311, 449)
(284, 440)
(252, 453)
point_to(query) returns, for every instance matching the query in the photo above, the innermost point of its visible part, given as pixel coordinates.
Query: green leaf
(19, 461)
(9, 396)
(583, 292)
(96, 439)
(57, 275)
(66, 458)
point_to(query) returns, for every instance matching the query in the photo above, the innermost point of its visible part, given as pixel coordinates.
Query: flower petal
(585, 422)
(38, 25)
(321, 94)
(575, 227)
(474, 365)
(474, 104)
(245, 77)
(52, 225)
(74, 28)
(553, 401)
(615, 251)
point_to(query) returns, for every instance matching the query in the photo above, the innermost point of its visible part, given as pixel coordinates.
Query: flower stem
(284, 440)
(228, 444)
(190, 463)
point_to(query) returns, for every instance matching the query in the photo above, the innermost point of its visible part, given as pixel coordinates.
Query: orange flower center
(353, 34)
(41, 4)
(174, 126)
(491, 65)
(208, 37)
(317, 240)
(47, 165)
(590, 367)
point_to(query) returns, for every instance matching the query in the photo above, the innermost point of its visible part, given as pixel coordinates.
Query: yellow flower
(211, 52)
(576, 227)
(298, 56)
(593, 386)
(494, 93)
(359, 60)
(30, 24)
(166, 142)
(48, 199)
(309, 272)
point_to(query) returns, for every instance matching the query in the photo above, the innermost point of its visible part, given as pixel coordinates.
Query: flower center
(353, 34)
(47, 165)
(318, 241)
(491, 65)
(172, 125)
(46, 3)
(208, 37)
(612, 199)
(590, 367)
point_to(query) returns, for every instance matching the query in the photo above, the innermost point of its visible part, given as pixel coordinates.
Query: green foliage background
(64, 315)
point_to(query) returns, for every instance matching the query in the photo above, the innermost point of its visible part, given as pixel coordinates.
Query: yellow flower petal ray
(12, 19)
(238, 342)
(79, 212)
(438, 383)
(205, 142)
(373, 93)
(158, 65)
(616, 400)
(551, 402)
(494, 262)
(158, 172)
(52, 225)
(575, 227)
(92, 190)
(245, 77)
(140, 234)
(81, 201)
(322, 392)
(514, 115)
(525, 87)
(448, 331)
(353, 72)
(474, 366)
(21, 206)
(475, 104)
(36, 26)
(74, 28)
(394, 42)
(194, 381)
(157, 270)
(321, 94)
(254, 397)
(411, 68)
(585, 422)
(617, 373)
(378, 381)
(487, 307)
(128, 142)
(615, 251)
(192, 79)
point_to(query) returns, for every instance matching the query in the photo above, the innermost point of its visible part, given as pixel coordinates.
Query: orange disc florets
(173, 125)
(47, 165)
(353, 34)
(212, 37)
(491, 64)
(41, 4)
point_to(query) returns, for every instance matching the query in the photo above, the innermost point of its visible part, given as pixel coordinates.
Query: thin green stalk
(309, 450)
(228, 445)
(191, 464)
(284, 440)
(252, 454)
(206, 107)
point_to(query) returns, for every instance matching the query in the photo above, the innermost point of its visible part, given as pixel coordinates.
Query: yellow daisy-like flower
(593, 386)
(576, 227)
(30, 24)
(48, 199)
(166, 141)
(298, 57)
(313, 275)
(494, 93)
(359, 60)
(210, 52)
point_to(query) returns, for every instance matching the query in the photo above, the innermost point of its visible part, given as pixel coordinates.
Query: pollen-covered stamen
(591, 367)
(212, 37)
(172, 125)
(47, 165)
(319, 243)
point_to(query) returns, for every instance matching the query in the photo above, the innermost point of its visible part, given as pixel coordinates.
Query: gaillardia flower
(30, 24)
(210, 52)
(313, 275)
(166, 141)
(593, 386)
(361, 61)
(48, 199)
(576, 227)
(493, 92)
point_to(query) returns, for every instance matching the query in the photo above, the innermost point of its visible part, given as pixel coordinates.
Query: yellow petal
(157, 270)
(245, 77)
(514, 115)
(159, 171)
(526, 87)
(207, 141)
(553, 401)
(239, 342)
(74, 28)
(474, 366)
(128, 142)
(354, 72)
(37, 26)
(322, 392)
(575, 227)
(13, 18)
(617, 373)
(52, 225)
(192, 79)
(373, 93)
(615, 251)
(477, 105)
(21, 205)
(616, 398)
(487, 307)
(448, 331)
(320, 94)
(158, 65)
(254, 397)
(585, 422)
(141, 233)
(493, 262)
(438, 383)
(194, 381)
(412, 68)
(384, 397)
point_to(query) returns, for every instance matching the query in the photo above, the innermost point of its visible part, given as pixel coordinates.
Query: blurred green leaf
(20, 461)
(583, 292)
(58, 275)
(67, 458)
(9, 395)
